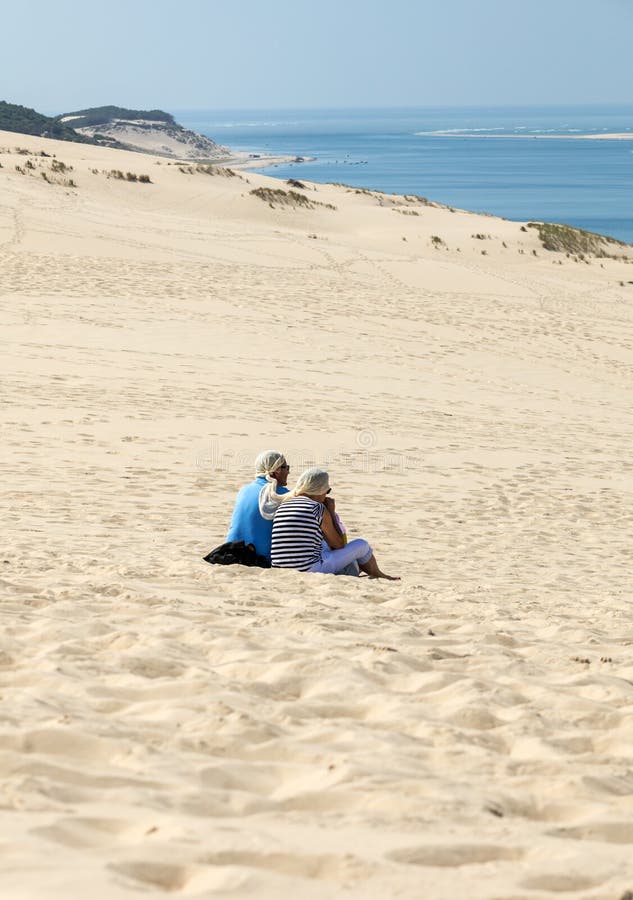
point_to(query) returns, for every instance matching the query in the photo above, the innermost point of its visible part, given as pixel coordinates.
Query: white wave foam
(464, 131)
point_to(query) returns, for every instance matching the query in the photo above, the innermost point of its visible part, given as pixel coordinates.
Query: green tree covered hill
(23, 120)
(101, 115)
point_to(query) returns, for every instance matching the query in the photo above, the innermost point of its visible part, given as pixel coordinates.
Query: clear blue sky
(68, 54)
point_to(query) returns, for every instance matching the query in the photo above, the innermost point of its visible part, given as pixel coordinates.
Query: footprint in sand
(453, 855)
(607, 832)
(81, 832)
(163, 876)
(324, 866)
(561, 882)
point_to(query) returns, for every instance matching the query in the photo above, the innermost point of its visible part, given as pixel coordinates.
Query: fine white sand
(174, 728)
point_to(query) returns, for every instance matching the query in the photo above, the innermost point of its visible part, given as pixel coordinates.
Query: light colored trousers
(334, 561)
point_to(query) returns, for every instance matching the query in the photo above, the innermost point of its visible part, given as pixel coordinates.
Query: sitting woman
(249, 522)
(307, 536)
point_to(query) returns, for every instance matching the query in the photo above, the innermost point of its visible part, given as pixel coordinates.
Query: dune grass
(576, 241)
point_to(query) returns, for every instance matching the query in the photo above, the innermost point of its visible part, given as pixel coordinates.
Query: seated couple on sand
(298, 528)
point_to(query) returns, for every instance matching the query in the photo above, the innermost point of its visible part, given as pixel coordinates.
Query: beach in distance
(549, 170)
(171, 728)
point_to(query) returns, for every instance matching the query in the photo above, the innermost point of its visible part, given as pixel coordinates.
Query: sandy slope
(172, 728)
(158, 138)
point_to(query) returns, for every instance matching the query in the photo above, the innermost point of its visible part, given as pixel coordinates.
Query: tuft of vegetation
(481, 237)
(292, 182)
(278, 197)
(437, 241)
(566, 239)
(208, 170)
(118, 175)
(423, 201)
(58, 166)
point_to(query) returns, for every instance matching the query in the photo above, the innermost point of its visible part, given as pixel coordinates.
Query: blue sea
(482, 159)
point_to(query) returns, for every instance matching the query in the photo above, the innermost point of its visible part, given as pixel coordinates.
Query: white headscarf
(266, 463)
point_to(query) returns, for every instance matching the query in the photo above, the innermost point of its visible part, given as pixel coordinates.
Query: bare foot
(371, 568)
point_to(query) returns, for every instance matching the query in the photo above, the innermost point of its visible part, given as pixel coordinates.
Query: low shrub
(202, 169)
(566, 239)
(279, 197)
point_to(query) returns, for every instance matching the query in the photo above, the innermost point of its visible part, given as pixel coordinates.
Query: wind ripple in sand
(324, 734)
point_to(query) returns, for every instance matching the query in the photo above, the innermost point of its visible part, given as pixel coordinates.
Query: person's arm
(330, 531)
(330, 505)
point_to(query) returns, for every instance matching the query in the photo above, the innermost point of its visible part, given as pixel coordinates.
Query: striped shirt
(297, 536)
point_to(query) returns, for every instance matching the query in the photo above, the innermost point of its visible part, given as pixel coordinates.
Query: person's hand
(329, 504)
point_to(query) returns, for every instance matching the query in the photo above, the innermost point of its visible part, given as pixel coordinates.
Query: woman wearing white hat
(306, 534)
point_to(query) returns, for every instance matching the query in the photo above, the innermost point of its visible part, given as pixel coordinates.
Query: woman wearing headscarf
(248, 524)
(307, 536)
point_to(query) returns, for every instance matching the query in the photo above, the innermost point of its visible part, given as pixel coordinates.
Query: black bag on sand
(237, 553)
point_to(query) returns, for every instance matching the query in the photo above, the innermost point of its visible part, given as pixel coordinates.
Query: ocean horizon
(515, 162)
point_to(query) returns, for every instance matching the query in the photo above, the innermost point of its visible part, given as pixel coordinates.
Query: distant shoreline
(628, 136)
(243, 160)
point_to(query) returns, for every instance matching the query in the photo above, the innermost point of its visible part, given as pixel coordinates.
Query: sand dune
(173, 728)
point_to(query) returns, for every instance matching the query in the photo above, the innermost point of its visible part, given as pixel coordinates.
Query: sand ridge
(172, 728)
